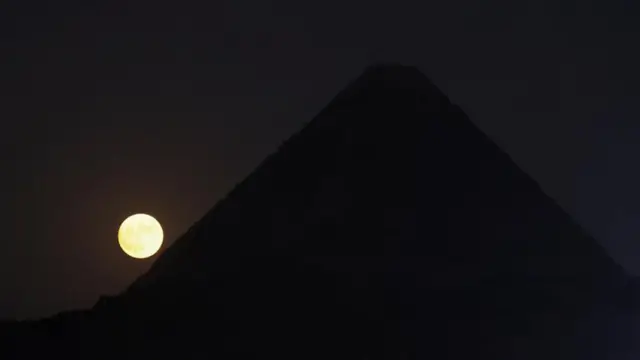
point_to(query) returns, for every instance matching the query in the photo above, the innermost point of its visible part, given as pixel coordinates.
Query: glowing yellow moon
(140, 236)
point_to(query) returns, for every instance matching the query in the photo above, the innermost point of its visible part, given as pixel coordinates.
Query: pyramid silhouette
(389, 227)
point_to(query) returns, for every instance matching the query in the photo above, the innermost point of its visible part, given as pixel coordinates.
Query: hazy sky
(108, 111)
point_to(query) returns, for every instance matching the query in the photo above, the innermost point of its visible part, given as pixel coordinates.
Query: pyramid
(389, 227)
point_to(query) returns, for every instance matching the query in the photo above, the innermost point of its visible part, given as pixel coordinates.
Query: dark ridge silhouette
(389, 227)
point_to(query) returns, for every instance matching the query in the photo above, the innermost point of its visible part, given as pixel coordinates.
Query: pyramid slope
(389, 227)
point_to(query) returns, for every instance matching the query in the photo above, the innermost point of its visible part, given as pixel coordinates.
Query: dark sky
(144, 107)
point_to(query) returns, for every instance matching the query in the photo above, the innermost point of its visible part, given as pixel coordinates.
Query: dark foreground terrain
(389, 227)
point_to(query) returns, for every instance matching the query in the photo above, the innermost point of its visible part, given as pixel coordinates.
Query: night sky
(108, 111)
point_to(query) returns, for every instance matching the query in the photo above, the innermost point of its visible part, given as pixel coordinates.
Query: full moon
(140, 236)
